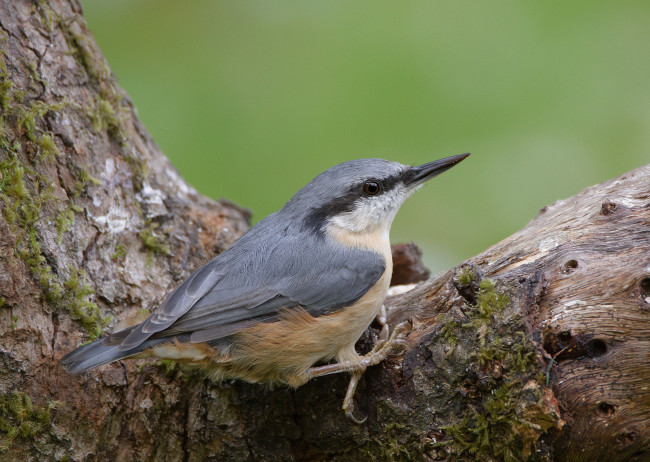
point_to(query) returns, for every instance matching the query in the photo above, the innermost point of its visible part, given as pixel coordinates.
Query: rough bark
(536, 349)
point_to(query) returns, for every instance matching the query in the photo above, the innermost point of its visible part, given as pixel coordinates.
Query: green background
(252, 99)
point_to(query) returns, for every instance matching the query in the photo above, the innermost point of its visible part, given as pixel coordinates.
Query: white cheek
(362, 218)
(372, 213)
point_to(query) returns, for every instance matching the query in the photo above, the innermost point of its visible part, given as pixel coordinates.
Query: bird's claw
(348, 401)
(349, 413)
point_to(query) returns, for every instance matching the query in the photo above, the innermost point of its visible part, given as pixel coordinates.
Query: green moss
(465, 276)
(12, 183)
(65, 217)
(6, 86)
(152, 241)
(2, 302)
(82, 48)
(169, 365)
(20, 205)
(36, 75)
(120, 252)
(138, 170)
(27, 117)
(29, 251)
(83, 178)
(449, 331)
(27, 197)
(22, 208)
(503, 385)
(64, 221)
(521, 357)
(494, 351)
(20, 419)
(48, 16)
(83, 310)
(489, 301)
(497, 431)
(107, 111)
(48, 149)
(109, 115)
(390, 446)
(26, 122)
(143, 313)
(5, 90)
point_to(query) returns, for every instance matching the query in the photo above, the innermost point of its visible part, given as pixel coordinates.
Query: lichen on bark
(94, 222)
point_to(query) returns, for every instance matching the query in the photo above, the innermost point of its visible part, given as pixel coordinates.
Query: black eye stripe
(385, 184)
(345, 203)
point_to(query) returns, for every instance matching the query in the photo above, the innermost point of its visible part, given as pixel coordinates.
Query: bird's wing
(172, 307)
(319, 289)
(247, 284)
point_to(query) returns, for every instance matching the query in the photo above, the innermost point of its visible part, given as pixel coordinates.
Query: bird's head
(361, 196)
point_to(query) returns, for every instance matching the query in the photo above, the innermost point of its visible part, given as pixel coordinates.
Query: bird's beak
(418, 175)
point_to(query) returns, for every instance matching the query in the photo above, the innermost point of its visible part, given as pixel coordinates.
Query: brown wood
(549, 361)
(580, 274)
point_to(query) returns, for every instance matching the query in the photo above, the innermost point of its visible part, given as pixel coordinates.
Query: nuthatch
(298, 288)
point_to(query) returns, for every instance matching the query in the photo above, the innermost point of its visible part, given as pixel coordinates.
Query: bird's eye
(371, 188)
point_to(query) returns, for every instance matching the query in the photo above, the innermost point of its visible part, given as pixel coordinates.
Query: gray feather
(99, 352)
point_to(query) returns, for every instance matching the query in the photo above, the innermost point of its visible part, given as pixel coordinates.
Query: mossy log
(537, 349)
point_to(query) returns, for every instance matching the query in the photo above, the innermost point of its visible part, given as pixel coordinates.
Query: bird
(292, 294)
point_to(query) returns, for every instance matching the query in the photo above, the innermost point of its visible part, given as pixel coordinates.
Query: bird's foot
(384, 347)
(387, 345)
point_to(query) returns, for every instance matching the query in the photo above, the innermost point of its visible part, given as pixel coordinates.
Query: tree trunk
(537, 349)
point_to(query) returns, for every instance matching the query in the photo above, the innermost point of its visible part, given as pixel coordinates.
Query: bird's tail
(99, 352)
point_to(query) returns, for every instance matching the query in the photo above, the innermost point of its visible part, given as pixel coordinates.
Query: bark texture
(536, 349)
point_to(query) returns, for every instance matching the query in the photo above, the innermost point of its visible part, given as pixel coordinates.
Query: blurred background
(251, 100)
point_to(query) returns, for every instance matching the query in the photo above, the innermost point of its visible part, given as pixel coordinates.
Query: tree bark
(536, 349)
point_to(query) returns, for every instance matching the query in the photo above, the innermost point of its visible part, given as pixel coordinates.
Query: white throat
(372, 215)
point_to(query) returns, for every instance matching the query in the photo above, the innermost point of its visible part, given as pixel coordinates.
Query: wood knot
(565, 345)
(624, 439)
(596, 347)
(570, 266)
(606, 409)
(644, 287)
(608, 208)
